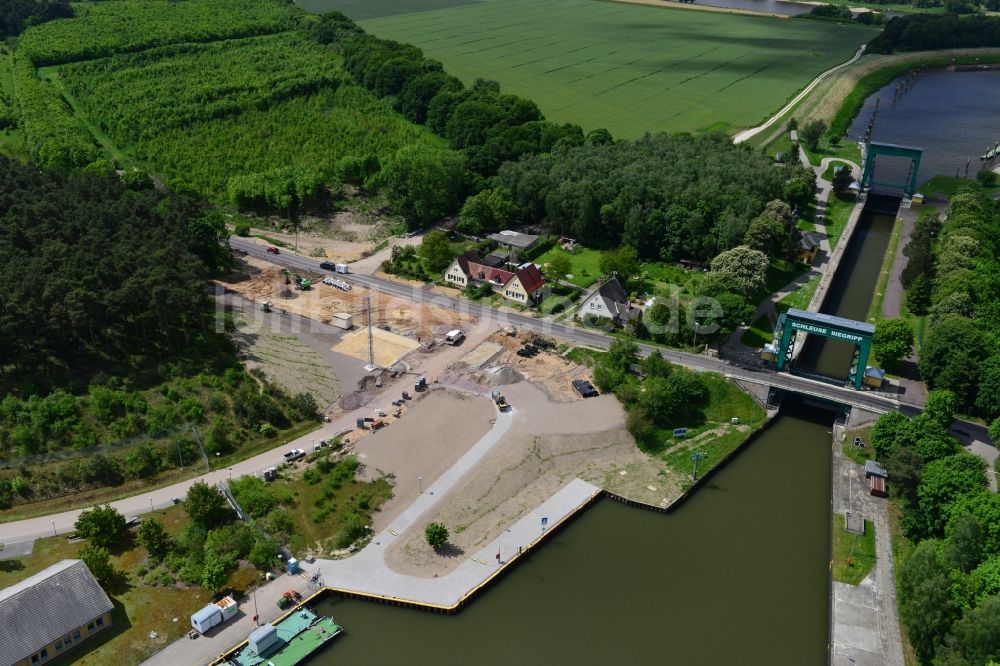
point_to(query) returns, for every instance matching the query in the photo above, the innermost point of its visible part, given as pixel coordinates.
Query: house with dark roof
(521, 285)
(608, 300)
(50, 613)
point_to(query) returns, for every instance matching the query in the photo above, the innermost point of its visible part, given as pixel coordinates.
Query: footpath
(824, 265)
(865, 619)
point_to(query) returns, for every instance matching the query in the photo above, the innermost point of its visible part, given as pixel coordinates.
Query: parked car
(584, 388)
(294, 454)
(327, 266)
(273, 250)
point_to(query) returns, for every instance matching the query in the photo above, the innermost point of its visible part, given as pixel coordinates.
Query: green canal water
(850, 294)
(736, 575)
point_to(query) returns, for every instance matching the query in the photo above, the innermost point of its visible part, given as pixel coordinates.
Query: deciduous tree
(893, 340)
(436, 535)
(205, 506)
(103, 526)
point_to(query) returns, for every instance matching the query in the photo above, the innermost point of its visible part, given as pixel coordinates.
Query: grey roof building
(514, 239)
(608, 300)
(45, 615)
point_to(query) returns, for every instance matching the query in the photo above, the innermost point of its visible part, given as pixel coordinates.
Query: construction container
(214, 614)
(293, 565)
(262, 638)
(342, 320)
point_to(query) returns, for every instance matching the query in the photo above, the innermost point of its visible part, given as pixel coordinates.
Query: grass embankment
(875, 309)
(947, 186)
(801, 297)
(103, 495)
(577, 71)
(853, 554)
(709, 427)
(760, 333)
(838, 212)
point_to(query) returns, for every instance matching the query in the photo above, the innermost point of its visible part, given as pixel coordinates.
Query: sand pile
(500, 376)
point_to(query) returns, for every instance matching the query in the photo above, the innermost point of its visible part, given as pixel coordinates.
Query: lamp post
(420, 484)
(53, 528)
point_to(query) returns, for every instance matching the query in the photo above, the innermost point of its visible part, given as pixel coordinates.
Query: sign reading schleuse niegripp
(830, 333)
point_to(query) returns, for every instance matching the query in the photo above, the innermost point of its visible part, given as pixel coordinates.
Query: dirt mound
(501, 376)
(355, 399)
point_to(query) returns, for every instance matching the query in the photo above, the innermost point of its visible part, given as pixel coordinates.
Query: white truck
(454, 337)
(294, 454)
(214, 614)
(341, 268)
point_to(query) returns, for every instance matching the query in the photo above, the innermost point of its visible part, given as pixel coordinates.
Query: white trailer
(214, 614)
(341, 268)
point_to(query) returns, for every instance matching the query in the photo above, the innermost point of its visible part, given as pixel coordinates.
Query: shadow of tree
(450, 550)
(11, 565)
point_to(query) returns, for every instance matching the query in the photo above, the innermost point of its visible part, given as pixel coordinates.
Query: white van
(454, 337)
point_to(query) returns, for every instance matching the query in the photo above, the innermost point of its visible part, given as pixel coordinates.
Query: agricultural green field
(629, 68)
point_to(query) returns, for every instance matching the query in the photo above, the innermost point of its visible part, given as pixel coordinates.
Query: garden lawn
(138, 610)
(799, 299)
(585, 264)
(853, 555)
(759, 333)
(628, 68)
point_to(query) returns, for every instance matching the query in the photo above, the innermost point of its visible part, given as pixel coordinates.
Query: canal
(951, 115)
(737, 575)
(850, 295)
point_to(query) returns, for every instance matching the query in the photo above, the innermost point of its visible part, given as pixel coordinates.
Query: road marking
(392, 531)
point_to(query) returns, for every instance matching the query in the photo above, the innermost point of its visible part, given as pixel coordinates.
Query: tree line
(949, 583)
(931, 32)
(953, 276)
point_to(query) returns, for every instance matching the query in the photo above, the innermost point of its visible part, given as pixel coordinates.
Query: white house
(608, 300)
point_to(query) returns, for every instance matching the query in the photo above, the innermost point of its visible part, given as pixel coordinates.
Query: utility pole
(371, 345)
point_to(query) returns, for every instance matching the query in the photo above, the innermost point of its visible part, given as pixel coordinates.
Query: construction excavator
(301, 283)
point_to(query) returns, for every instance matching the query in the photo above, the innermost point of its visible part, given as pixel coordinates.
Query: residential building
(50, 613)
(608, 300)
(520, 285)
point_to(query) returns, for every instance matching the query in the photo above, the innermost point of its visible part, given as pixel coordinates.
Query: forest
(949, 573)
(659, 194)
(953, 278)
(109, 334)
(930, 32)
(15, 15)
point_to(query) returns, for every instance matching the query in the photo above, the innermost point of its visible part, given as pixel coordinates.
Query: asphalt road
(61, 523)
(494, 317)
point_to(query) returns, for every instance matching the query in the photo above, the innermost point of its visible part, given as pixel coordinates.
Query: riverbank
(836, 97)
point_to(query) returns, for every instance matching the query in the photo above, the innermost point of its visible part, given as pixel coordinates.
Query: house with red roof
(521, 285)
